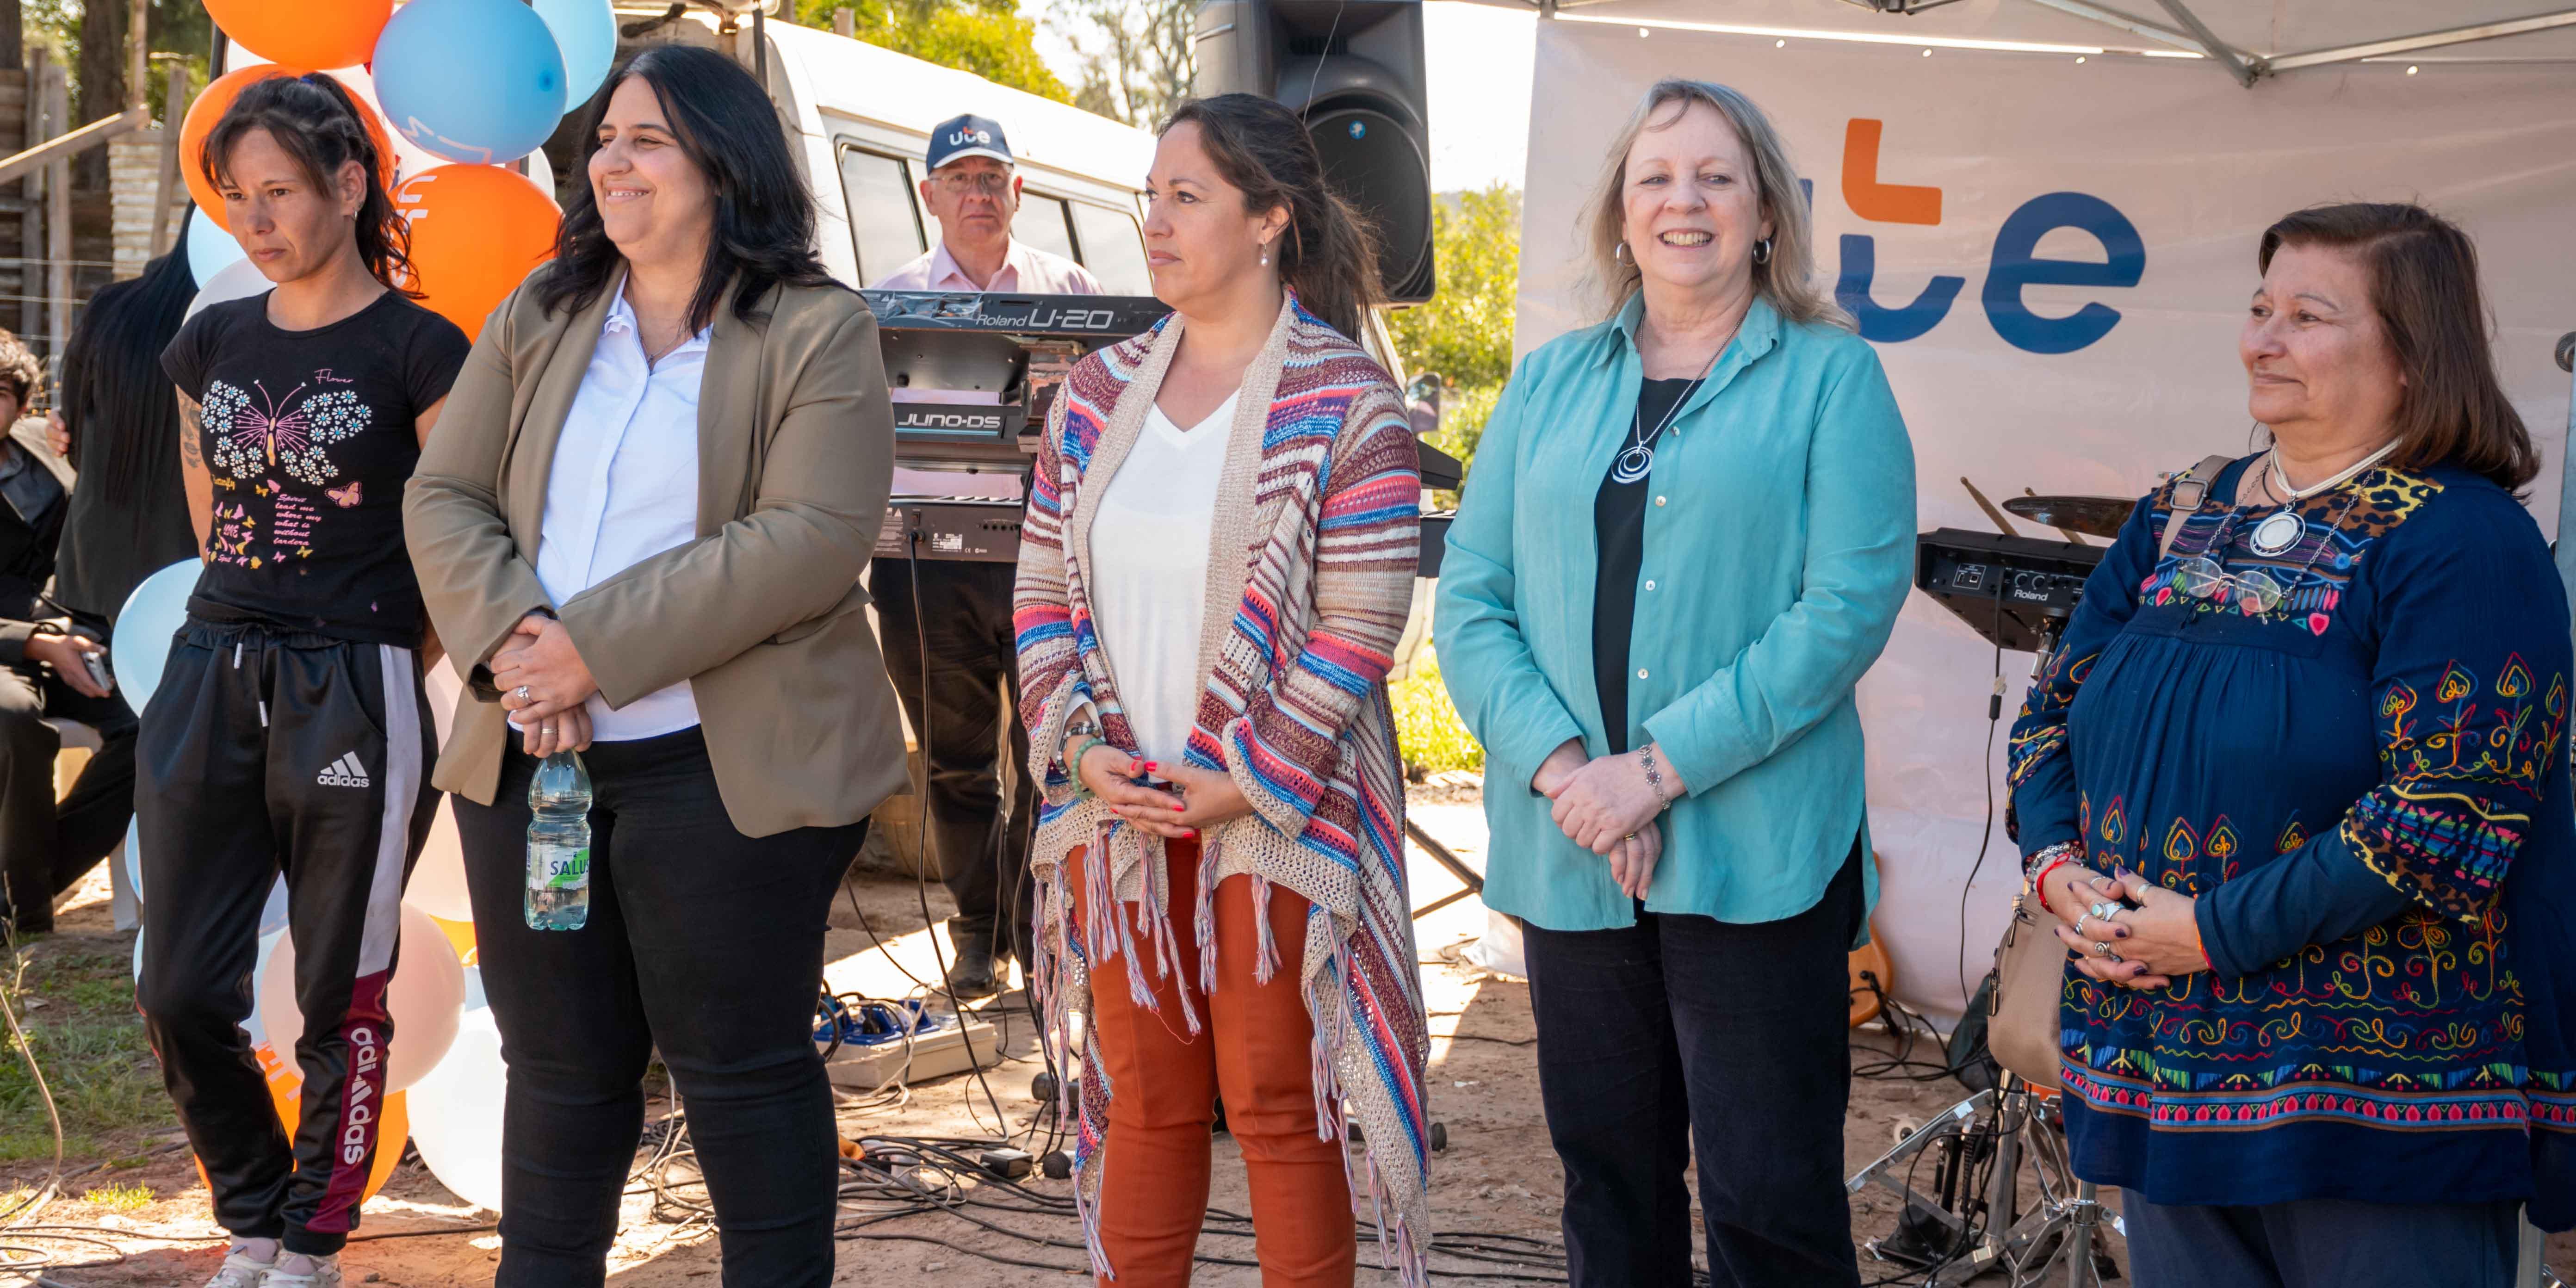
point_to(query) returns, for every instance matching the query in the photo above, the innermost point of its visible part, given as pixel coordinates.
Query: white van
(863, 115)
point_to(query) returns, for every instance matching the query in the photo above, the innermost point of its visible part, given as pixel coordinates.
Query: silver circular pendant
(1634, 464)
(2274, 536)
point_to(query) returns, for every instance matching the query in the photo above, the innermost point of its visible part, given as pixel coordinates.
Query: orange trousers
(1254, 1048)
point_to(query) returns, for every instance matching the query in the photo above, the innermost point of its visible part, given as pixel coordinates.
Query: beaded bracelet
(2049, 860)
(1654, 777)
(1073, 766)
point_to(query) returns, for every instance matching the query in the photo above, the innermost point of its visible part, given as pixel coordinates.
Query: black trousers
(1680, 1033)
(261, 752)
(962, 717)
(45, 846)
(2323, 1243)
(701, 941)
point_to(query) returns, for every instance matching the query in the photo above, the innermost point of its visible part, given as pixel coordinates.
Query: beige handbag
(2030, 977)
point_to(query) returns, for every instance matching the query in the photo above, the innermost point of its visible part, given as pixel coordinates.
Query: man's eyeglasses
(959, 183)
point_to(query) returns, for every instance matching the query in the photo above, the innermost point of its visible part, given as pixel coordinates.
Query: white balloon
(238, 280)
(134, 871)
(456, 1110)
(437, 884)
(256, 1027)
(425, 998)
(152, 614)
(211, 247)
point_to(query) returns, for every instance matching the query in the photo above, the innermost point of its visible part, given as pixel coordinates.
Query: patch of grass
(121, 1196)
(1427, 727)
(90, 1041)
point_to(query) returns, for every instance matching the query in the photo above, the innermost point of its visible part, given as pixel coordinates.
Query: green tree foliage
(1465, 332)
(1137, 55)
(986, 37)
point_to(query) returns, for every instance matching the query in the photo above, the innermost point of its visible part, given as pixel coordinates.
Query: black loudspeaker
(1353, 70)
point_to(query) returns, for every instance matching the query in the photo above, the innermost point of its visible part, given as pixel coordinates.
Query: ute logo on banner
(2014, 265)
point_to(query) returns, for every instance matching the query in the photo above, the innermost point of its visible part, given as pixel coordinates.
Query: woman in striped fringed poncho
(1226, 516)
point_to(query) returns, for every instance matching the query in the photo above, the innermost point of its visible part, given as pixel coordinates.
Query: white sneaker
(241, 1272)
(326, 1274)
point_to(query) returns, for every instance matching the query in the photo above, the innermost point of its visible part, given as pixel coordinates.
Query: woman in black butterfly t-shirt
(288, 729)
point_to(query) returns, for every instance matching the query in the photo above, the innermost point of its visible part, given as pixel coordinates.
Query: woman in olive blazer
(642, 526)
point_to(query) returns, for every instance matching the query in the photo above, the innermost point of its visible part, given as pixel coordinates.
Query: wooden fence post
(31, 224)
(175, 104)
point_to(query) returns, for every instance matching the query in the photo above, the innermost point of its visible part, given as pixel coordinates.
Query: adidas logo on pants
(344, 772)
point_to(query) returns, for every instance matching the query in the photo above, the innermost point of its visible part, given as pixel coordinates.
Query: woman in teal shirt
(1673, 758)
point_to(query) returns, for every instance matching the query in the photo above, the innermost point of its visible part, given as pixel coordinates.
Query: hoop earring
(1619, 253)
(1762, 251)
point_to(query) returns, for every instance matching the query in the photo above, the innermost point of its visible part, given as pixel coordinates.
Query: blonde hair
(1787, 279)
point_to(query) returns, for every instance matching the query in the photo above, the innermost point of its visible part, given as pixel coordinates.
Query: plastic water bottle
(559, 844)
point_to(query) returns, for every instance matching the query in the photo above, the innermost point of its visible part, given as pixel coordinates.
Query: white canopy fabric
(2251, 40)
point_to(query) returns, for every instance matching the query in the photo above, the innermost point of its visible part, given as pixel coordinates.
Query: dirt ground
(1497, 1175)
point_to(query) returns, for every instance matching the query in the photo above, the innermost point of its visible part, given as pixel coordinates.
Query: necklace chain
(2294, 495)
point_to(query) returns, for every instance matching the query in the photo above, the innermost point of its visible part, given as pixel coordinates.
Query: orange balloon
(339, 33)
(286, 1092)
(218, 98)
(476, 233)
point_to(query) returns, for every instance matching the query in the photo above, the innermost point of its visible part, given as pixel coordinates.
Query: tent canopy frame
(2188, 32)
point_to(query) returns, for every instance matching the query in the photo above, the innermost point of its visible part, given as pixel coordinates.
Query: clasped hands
(1609, 806)
(543, 684)
(1189, 801)
(2125, 929)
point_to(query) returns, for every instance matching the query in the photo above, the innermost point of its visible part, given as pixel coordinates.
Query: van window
(1040, 223)
(1112, 249)
(885, 229)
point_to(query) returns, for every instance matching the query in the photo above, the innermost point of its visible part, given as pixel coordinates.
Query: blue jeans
(2322, 1243)
(1683, 1033)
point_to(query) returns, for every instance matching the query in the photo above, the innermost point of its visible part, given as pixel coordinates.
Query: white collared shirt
(1025, 269)
(623, 488)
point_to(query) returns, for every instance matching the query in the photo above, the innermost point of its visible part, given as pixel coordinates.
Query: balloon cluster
(469, 87)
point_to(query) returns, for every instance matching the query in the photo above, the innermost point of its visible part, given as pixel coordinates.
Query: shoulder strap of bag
(2190, 488)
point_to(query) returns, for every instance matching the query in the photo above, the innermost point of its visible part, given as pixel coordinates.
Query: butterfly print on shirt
(289, 432)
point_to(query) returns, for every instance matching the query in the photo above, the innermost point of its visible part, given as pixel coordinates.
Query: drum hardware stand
(2056, 1245)
(1445, 857)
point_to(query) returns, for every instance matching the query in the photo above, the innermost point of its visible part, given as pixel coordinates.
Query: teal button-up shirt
(1779, 545)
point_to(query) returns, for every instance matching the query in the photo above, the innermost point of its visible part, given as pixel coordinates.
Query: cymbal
(2094, 516)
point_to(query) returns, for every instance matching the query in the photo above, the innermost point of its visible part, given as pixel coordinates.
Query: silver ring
(2105, 950)
(2103, 911)
(2079, 921)
(522, 691)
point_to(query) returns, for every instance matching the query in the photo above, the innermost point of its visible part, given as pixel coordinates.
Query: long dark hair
(113, 397)
(2424, 283)
(313, 118)
(1329, 256)
(764, 233)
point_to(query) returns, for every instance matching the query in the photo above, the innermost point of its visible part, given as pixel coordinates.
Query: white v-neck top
(1148, 573)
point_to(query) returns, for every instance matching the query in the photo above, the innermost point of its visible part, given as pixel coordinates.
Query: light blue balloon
(586, 32)
(153, 613)
(211, 248)
(479, 81)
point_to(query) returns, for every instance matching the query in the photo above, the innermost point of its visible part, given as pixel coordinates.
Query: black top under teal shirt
(309, 437)
(1619, 520)
(2365, 788)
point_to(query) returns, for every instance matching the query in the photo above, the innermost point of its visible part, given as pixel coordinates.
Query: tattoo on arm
(190, 426)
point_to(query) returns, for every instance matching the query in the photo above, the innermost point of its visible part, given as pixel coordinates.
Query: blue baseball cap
(968, 136)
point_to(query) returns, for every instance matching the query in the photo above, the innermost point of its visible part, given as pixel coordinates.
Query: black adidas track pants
(266, 751)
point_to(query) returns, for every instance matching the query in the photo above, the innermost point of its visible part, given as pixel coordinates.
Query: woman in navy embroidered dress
(2296, 789)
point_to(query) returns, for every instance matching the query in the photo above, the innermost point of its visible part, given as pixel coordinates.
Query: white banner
(2053, 258)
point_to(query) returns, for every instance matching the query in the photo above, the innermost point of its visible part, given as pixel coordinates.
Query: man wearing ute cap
(963, 620)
